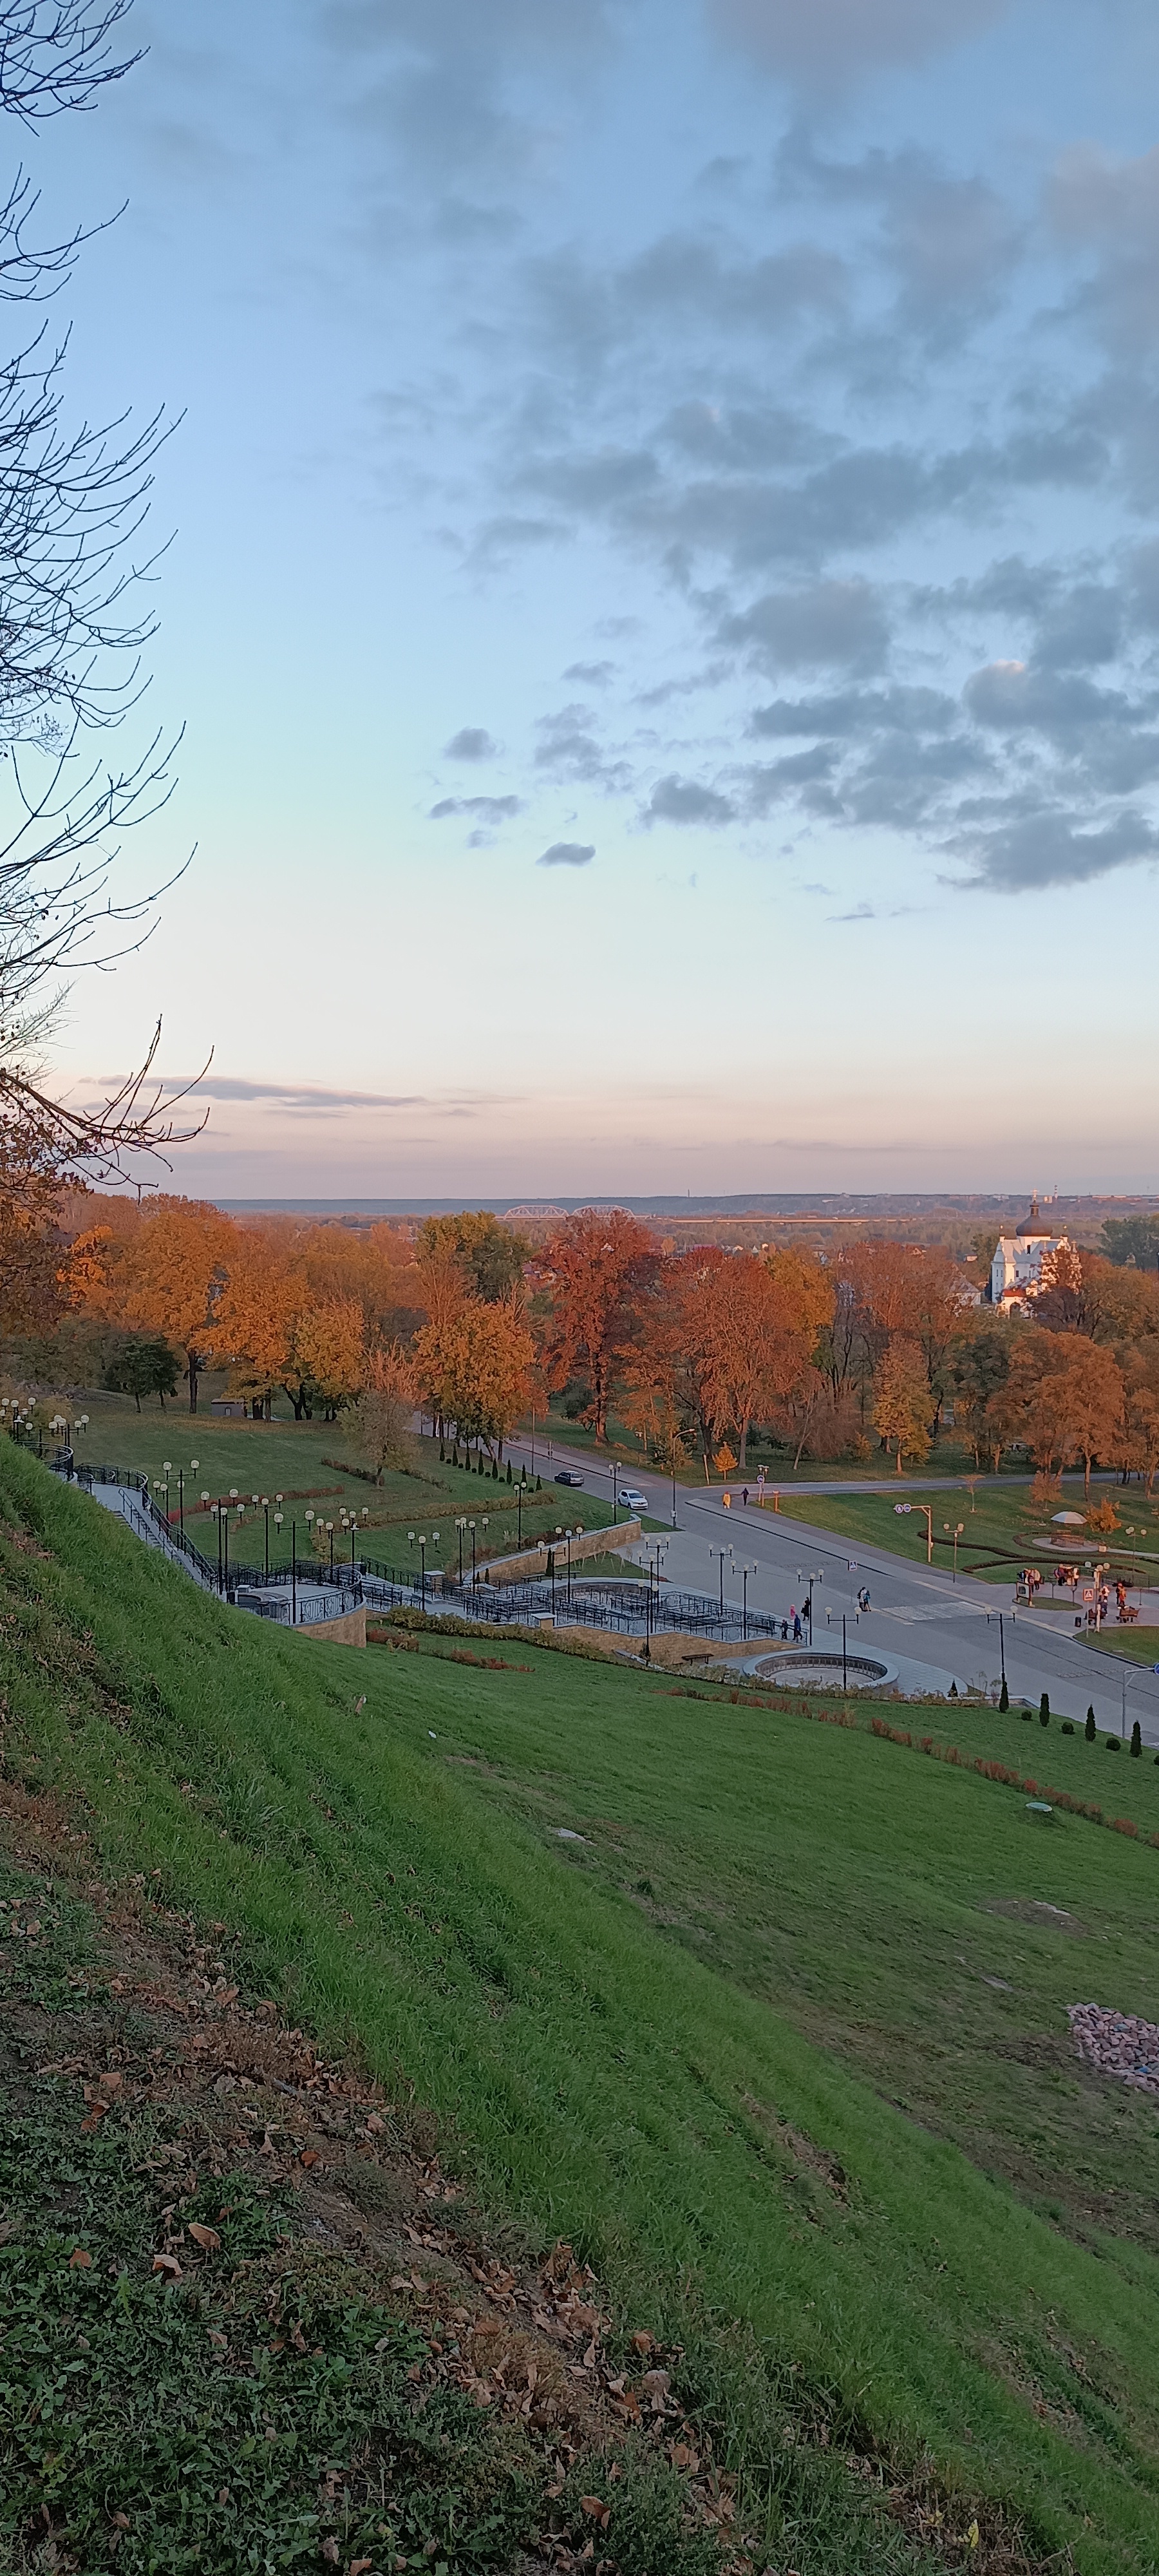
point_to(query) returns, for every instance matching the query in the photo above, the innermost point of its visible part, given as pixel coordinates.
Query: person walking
(797, 1630)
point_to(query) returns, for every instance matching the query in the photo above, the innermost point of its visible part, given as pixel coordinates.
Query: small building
(229, 1408)
(1016, 1272)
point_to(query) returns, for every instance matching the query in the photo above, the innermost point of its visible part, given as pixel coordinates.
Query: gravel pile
(1117, 2044)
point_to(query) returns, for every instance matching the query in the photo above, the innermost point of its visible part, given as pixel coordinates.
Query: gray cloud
(568, 854)
(833, 624)
(825, 44)
(594, 675)
(294, 1095)
(1037, 849)
(569, 749)
(490, 809)
(470, 743)
(684, 800)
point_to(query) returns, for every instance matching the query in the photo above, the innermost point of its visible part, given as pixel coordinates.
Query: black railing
(626, 1610)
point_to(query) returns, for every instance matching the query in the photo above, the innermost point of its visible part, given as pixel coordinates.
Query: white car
(632, 1498)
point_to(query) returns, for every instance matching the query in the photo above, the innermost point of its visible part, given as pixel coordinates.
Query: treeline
(694, 1354)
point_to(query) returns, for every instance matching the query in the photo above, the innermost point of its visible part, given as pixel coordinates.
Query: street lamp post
(844, 1661)
(217, 1517)
(613, 1497)
(955, 1535)
(423, 1565)
(266, 1510)
(519, 1510)
(474, 1577)
(815, 1577)
(293, 1574)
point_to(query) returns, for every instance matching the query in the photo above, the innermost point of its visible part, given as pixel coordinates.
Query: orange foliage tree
(164, 1278)
(599, 1268)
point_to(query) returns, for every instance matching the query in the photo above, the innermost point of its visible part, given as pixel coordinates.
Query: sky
(660, 586)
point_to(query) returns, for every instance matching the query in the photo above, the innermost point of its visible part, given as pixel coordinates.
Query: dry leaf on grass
(206, 2237)
(168, 2265)
(79, 2261)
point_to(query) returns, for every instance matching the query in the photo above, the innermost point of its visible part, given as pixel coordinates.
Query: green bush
(1044, 1709)
(1089, 1729)
(1136, 1743)
(1067, 1728)
(1112, 1744)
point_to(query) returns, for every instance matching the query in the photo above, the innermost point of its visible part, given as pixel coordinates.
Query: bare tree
(72, 633)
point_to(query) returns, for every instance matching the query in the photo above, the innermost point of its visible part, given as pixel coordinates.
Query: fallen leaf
(206, 2237)
(79, 2261)
(109, 2084)
(644, 2342)
(168, 2265)
(330, 2551)
(358, 2566)
(596, 2510)
(122, 2521)
(308, 2157)
(973, 2536)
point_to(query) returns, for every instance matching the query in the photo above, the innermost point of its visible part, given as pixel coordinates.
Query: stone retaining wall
(532, 1565)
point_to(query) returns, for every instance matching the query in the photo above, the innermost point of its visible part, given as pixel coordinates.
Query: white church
(1016, 1271)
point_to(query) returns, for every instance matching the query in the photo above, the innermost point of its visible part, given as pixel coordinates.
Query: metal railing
(635, 1610)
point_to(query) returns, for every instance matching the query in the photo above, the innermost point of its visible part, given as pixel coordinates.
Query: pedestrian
(727, 1501)
(745, 1496)
(784, 1632)
(796, 1628)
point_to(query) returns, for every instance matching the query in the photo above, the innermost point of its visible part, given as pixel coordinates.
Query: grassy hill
(779, 2046)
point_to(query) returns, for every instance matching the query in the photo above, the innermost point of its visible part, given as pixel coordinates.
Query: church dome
(1032, 1228)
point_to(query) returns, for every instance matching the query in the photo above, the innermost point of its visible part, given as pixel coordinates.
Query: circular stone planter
(811, 1668)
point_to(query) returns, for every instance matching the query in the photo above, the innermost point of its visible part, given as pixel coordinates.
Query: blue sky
(663, 593)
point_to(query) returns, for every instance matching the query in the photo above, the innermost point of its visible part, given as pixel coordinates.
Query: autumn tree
(490, 1254)
(165, 1278)
(599, 1267)
(754, 1324)
(475, 1369)
(383, 1413)
(901, 1401)
(330, 1352)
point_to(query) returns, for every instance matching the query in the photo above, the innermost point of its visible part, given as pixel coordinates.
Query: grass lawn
(292, 1458)
(1136, 1645)
(780, 2046)
(1000, 1535)
(950, 1459)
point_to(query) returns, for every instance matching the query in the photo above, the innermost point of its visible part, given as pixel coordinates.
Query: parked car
(632, 1498)
(569, 1476)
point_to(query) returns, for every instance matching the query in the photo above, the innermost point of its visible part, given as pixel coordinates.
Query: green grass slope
(687, 2105)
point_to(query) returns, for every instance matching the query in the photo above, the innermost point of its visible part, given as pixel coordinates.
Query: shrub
(1089, 1729)
(1024, 1714)
(1112, 1744)
(1044, 1709)
(1067, 1728)
(1136, 1743)
(1004, 1696)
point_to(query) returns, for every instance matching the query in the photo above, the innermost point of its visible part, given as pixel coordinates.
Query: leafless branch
(57, 54)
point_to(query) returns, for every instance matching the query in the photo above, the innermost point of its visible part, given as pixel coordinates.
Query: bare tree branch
(57, 54)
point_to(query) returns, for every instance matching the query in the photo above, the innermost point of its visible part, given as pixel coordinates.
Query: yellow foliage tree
(901, 1407)
(475, 1368)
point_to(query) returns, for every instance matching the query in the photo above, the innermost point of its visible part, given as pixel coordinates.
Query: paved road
(934, 1630)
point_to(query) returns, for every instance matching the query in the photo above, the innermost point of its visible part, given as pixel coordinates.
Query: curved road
(934, 1630)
